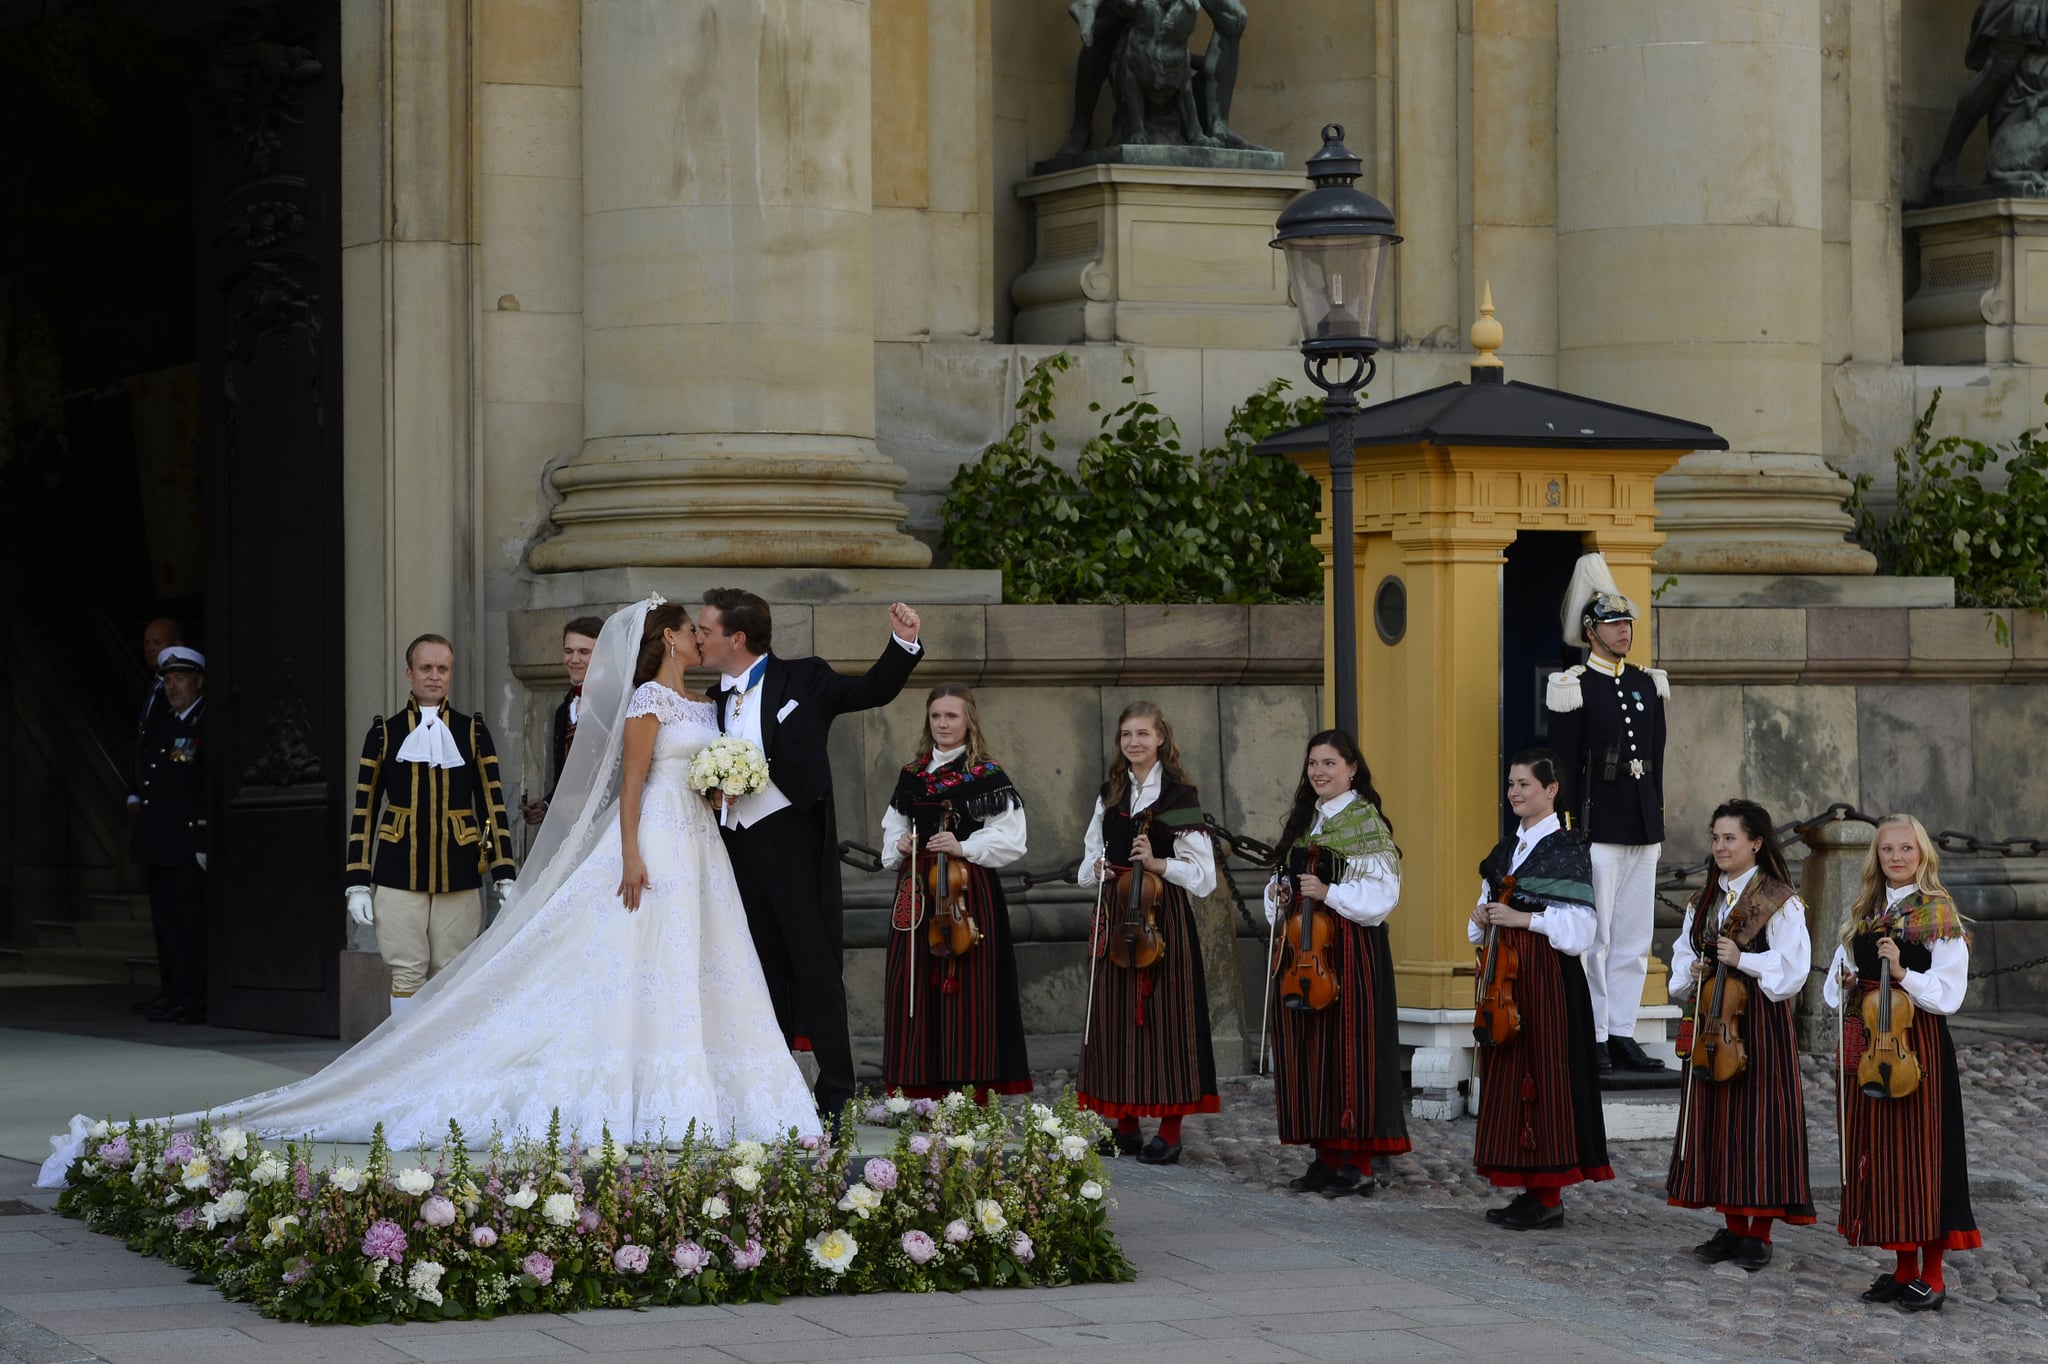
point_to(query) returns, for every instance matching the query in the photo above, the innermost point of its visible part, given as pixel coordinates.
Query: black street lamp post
(1336, 239)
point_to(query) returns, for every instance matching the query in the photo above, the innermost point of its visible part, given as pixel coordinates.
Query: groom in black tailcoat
(784, 840)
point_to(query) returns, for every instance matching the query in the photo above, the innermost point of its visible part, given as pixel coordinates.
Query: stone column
(1689, 263)
(728, 343)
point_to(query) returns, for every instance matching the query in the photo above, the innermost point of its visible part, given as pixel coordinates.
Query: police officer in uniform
(169, 841)
(433, 773)
(1607, 724)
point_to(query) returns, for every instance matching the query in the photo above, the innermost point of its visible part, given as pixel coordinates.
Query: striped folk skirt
(1336, 1071)
(1907, 1175)
(1147, 1052)
(953, 1022)
(1744, 1140)
(1539, 1096)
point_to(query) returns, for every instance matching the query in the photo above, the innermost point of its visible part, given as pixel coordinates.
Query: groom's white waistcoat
(747, 725)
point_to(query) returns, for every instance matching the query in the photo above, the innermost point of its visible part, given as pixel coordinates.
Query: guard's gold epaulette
(1564, 692)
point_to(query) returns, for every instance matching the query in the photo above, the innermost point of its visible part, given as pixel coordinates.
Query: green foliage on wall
(1139, 518)
(1992, 541)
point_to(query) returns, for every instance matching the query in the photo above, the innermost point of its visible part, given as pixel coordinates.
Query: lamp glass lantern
(1336, 238)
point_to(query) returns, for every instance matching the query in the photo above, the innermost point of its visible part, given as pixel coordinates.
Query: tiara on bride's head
(656, 599)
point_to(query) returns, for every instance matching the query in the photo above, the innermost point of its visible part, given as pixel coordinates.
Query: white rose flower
(832, 1250)
(749, 1152)
(861, 1199)
(1050, 1125)
(957, 1099)
(234, 1204)
(90, 1169)
(100, 1130)
(559, 1208)
(896, 1104)
(414, 1181)
(280, 1229)
(961, 1141)
(989, 1214)
(267, 1171)
(232, 1142)
(346, 1178)
(1074, 1147)
(1090, 1190)
(715, 1208)
(746, 1177)
(195, 1173)
(522, 1200)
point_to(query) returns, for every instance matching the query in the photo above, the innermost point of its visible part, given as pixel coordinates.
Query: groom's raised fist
(903, 621)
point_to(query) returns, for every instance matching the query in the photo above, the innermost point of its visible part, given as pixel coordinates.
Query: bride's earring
(671, 651)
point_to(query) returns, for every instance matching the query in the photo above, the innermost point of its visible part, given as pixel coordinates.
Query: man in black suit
(784, 840)
(579, 639)
(169, 841)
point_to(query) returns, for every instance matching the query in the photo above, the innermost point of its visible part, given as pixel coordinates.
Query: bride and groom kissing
(659, 961)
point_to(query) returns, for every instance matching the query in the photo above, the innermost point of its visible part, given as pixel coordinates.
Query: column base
(1444, 1066)
(771, 501)
(1731, 512)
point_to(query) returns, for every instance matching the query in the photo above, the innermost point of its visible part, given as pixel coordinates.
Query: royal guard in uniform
(579, 638)
(1607, 727)
(169, 841)
(432, 772)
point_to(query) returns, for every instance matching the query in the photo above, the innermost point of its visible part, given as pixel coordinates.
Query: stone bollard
(1828, 884)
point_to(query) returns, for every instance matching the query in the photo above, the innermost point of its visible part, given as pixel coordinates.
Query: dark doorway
(1532, 587)
(170, 313)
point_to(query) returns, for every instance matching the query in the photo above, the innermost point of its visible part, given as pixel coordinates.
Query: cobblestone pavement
(1623, 1244)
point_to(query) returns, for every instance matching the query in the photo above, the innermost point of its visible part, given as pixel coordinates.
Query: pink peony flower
(540, 1267)
(692, 1259)
(483, 1238)
(438, 1212)
(748, 1256)
(877, 1114)
(180, 1150)
(924, 1108)
(115, 1154)
(920, 1145)
(385, 1240)
(919, 1247)
(810, 1141)
(1021, 1248)
(880, 1173)
(958, 1232)
(588, 1221)
(630, 1259)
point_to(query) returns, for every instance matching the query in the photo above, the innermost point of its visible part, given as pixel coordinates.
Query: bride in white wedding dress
(643, 1019)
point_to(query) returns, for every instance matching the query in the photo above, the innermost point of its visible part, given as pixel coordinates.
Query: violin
(1718, 1051)
(950, 928)
(1496, 1019)
(1888, 1070)
(1305, 955)
(1134, 940)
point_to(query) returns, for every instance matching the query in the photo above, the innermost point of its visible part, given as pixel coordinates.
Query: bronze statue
(1164, 93)
(2007, 54)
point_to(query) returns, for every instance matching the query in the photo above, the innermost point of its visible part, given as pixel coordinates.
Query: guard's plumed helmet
(1592, 598)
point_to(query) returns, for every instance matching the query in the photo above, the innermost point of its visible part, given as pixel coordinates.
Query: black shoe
(1918, 1297)
(1716, 1248)
(161, 1013)
(1534, 1217)
(1885, 1289)
(1316, 1178)
(1120, 1144)
(1514, 1206)
(1350, 1180)
(1627, 1055)
(1753, 1253)
(1157, 1152)
(143, 1006)
(1600, 1055)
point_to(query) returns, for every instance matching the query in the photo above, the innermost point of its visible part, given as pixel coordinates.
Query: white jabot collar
(942, 756)
(430, 742)
(1601, 665)
(1894, 894)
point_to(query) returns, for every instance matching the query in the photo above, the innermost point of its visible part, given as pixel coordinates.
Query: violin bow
(1266, 1009)
(915, 920)
(1691, 1054)
(1094, 927)
(1841, 1064)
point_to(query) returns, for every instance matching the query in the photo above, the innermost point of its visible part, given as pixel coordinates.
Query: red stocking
(1909, 1266)
(1930, 1266)
(1169, 1130)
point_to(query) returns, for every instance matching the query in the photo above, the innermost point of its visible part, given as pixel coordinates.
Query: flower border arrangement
(967, 1197)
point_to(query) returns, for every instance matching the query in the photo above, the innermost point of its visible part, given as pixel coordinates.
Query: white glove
(508, 891)
(361, 905)
(201, 858)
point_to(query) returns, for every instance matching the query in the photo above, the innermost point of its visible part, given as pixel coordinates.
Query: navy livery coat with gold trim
(441, 829)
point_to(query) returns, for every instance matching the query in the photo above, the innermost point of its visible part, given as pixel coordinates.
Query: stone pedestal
(1828, 883)
(1156, 255)
(1983, 292)
(1444, 1063)
(728, 263)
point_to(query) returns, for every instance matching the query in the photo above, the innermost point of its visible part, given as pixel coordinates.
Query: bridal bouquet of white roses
(735, 766)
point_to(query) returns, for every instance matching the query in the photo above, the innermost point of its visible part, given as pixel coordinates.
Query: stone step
(80, 963)
(125, 936)
(113, 906)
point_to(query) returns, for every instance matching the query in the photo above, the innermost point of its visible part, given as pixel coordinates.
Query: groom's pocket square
(787, 707)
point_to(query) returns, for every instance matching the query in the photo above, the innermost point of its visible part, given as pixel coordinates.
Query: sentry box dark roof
(1491, 412)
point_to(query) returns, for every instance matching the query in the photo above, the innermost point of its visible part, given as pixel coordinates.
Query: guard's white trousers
(1625, 904)
(419, 933)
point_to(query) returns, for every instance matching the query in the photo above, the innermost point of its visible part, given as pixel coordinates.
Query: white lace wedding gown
(642, 1020)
